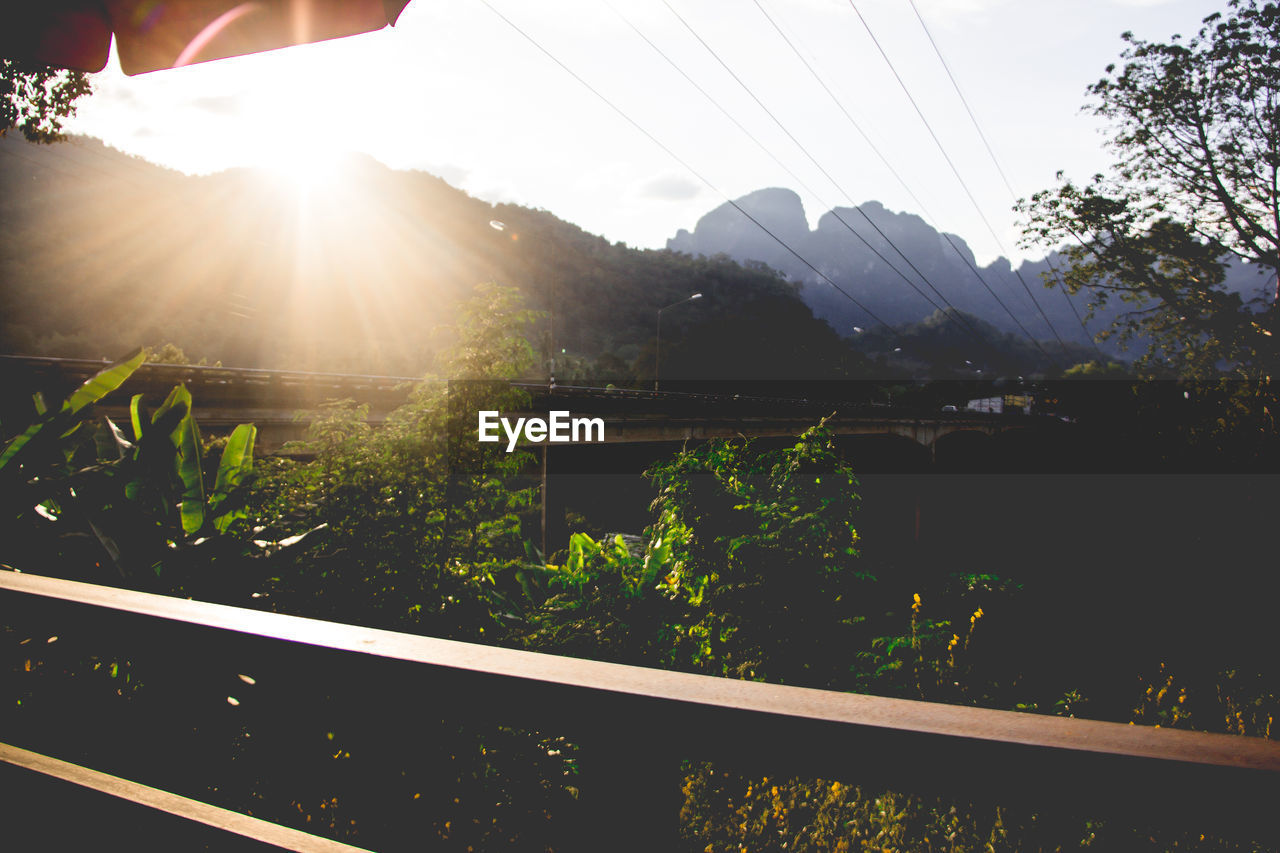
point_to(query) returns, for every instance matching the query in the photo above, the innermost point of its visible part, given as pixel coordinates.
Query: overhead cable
(799, 181)
(670, 153)
(995, 161)
(856, 126)
(955, 171)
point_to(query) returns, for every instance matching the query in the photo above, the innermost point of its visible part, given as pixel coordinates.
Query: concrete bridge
(632, 416)
(273, 399)
(223, 397)
(886, 445)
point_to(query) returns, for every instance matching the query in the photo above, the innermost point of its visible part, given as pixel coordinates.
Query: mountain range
(900, 267)
(101, 252)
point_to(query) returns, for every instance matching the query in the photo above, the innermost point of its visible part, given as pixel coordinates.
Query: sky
(566, 105)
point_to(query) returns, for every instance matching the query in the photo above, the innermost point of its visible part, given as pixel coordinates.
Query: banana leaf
(190, 471)
(233, 470)
(104, 383)
(93, 390)
(136, 415)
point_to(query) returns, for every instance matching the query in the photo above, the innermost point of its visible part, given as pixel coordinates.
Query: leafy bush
(423, 520)
(82, 497)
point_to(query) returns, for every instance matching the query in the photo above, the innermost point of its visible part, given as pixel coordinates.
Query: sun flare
(303, 163)
(295, 138)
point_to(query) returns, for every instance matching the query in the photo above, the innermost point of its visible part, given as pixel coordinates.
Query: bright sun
(307, 163)
(295, 141)
(307, 168)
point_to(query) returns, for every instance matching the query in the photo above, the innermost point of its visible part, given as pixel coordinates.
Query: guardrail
(198, 375)
(86, 367)
(1216, 782)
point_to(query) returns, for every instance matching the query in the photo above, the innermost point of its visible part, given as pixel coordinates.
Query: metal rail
(1136, 772)
(83, 367)
(182, 807)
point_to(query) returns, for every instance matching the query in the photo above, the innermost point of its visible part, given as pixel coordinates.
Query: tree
(424, 520)
(1196, 125)
(35, 99)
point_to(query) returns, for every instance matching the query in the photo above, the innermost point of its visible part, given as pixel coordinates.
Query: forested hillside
(101, 252)
(858, 250)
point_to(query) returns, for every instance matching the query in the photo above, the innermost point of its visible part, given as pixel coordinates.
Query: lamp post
(657, 349)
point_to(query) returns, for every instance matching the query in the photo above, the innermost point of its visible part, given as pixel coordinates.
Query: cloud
(492, 189)
(454, 176)
(670, 188)
(220, 105)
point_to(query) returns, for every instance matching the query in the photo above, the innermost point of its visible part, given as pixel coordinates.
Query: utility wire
(857, 127)
(954, 170)
(798, 144)
(958, 315)
(963, 100)
(954, 312)
(828, 176)
(799, 181)
(995, 161)
(683, 163)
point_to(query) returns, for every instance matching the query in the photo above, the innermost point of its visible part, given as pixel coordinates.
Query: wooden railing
(636, 723)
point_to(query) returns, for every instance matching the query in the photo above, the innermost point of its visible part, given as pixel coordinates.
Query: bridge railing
(635, 724)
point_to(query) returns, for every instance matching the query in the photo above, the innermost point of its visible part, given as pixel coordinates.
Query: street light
(657, 348)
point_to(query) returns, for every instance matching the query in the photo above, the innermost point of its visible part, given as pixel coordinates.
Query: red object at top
(155, 34)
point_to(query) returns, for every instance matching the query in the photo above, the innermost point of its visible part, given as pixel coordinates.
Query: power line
(955, 312)
(836, 184)
(900, 180)
(954, 170)
(799, 181)
(609, 103)
(996, 162)
(963, 100)
(947, 237)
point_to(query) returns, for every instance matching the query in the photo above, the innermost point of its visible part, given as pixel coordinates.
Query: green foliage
(748, 569)
(588, 560)
(235, 468)
(80, 496)
(603, 296)
(730, 812)
(1195, 126)
(939, 345)
(752, 569)
(1095, 369)
(424, 519)
(36, 99)
(766, 549)
(169, 353)
(49, 426)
